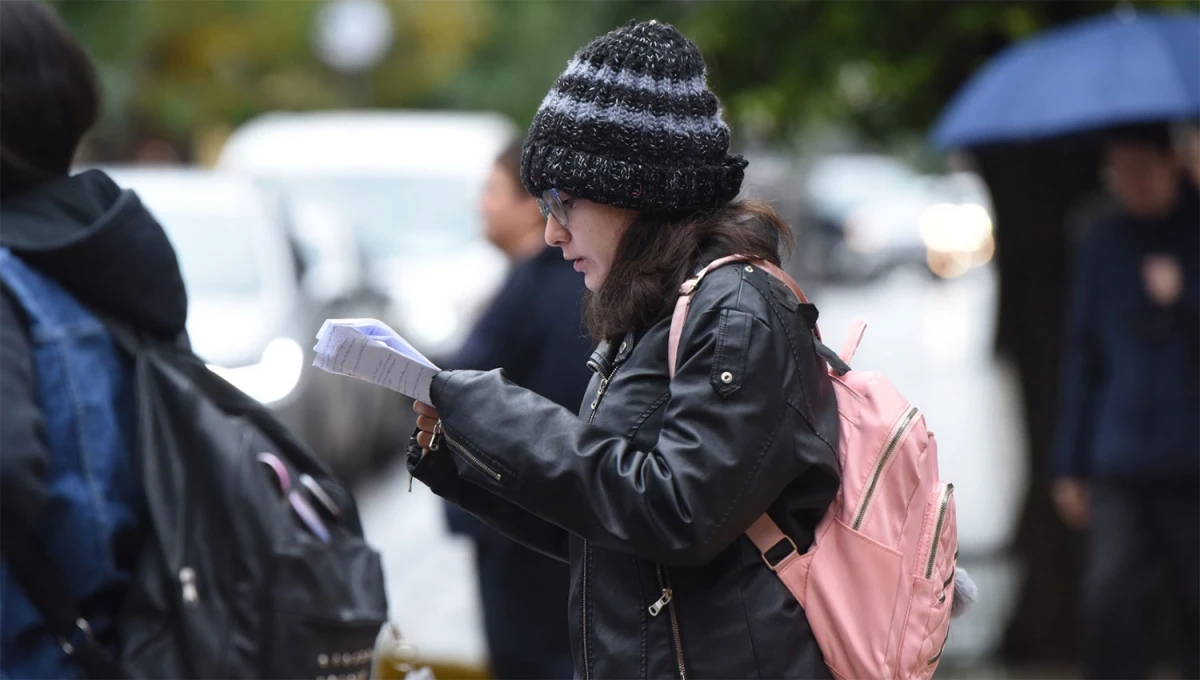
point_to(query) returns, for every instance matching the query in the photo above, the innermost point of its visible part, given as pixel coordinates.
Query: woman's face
(590, 237)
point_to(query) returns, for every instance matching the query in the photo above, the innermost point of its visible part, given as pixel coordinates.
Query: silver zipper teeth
(937, 530)
(604, 380)
(664, 581)
(902, 426)
(462, 451)
(587, 667)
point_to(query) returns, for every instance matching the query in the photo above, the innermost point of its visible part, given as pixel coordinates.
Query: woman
(648, 491)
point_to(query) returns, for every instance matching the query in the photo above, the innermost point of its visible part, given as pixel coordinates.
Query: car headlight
(949, 228)
(274, 376)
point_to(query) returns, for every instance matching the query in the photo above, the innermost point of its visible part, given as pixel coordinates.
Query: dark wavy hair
(657, 254)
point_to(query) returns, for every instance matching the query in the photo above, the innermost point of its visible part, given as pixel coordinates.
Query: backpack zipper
(937, 529)
(892, 442)
(668, 600)
(604, 380)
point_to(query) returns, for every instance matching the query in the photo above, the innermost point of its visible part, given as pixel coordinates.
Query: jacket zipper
(937, 529)
(889, 448)
(604, 380)
(471, 458)
(187, 583)
(668, 600)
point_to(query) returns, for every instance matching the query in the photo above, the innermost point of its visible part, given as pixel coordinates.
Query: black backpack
(231, 581)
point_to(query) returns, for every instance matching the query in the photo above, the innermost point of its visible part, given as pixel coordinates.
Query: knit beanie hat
(631, 123)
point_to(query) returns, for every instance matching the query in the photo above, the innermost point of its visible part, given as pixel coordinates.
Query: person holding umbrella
(1127, 463)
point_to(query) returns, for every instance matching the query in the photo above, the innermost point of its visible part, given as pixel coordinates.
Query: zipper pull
(600, 392)
(436, 441)
(663, 601)
(187, 579)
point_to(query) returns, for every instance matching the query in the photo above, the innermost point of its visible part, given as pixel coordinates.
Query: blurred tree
(882, 67)
(885, 68)
(179, 69)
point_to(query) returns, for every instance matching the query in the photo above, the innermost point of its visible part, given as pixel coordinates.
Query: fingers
(424, 439)
(425, 409)
(426, 423)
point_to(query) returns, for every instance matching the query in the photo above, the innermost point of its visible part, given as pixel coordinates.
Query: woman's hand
(427, 423)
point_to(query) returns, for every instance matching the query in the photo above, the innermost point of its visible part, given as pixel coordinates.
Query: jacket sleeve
(712, 472)
(1083, 367)
(437, 471)
(23, 453)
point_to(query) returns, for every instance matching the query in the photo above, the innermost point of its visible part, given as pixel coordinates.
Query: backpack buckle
(775, 566)
(688, 288)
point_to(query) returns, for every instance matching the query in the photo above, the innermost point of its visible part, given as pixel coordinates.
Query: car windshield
(217, 253)
(408, 217)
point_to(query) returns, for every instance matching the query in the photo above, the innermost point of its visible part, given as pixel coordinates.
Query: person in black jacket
(648, 490)
(69, 246)
(1128, 455)
(533, 331)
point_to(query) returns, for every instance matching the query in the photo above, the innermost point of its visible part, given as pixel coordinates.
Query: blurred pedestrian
(649, 491)
(1128, 456)
(68, 245)
(534, 332)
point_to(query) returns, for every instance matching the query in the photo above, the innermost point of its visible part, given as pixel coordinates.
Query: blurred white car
(409, 182)
(249, 317)
(879, 214)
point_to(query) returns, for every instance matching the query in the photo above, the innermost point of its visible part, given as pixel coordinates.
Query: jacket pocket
(734, 332)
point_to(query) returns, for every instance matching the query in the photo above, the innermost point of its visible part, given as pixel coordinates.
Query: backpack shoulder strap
(688, 289)
(764, 533)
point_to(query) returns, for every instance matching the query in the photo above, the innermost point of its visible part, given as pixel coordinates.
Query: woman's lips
(579, 265)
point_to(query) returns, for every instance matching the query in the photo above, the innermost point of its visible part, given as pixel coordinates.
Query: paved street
(931, 338)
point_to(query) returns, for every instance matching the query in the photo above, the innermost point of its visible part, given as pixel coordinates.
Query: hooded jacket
(70, 248)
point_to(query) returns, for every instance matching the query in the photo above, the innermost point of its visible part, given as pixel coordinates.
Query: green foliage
(883, 68)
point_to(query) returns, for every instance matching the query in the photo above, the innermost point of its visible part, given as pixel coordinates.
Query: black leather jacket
(648, 491)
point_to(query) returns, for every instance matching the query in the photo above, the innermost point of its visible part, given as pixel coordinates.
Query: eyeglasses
(551, 203)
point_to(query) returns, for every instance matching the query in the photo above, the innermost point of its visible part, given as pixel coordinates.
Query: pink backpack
(879, 582)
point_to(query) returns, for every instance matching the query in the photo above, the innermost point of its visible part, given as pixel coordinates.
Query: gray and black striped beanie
(632, 123)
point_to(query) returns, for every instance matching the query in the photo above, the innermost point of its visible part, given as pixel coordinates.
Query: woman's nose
(556, 235)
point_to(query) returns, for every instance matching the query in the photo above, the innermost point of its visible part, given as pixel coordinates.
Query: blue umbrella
(1103, 71)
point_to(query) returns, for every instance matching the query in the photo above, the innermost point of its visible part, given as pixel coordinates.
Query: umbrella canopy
(1107, 70)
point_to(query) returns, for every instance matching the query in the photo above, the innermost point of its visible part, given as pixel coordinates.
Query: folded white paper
(369, 350)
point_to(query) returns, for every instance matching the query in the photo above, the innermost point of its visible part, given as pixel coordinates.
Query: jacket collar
(609, 355)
